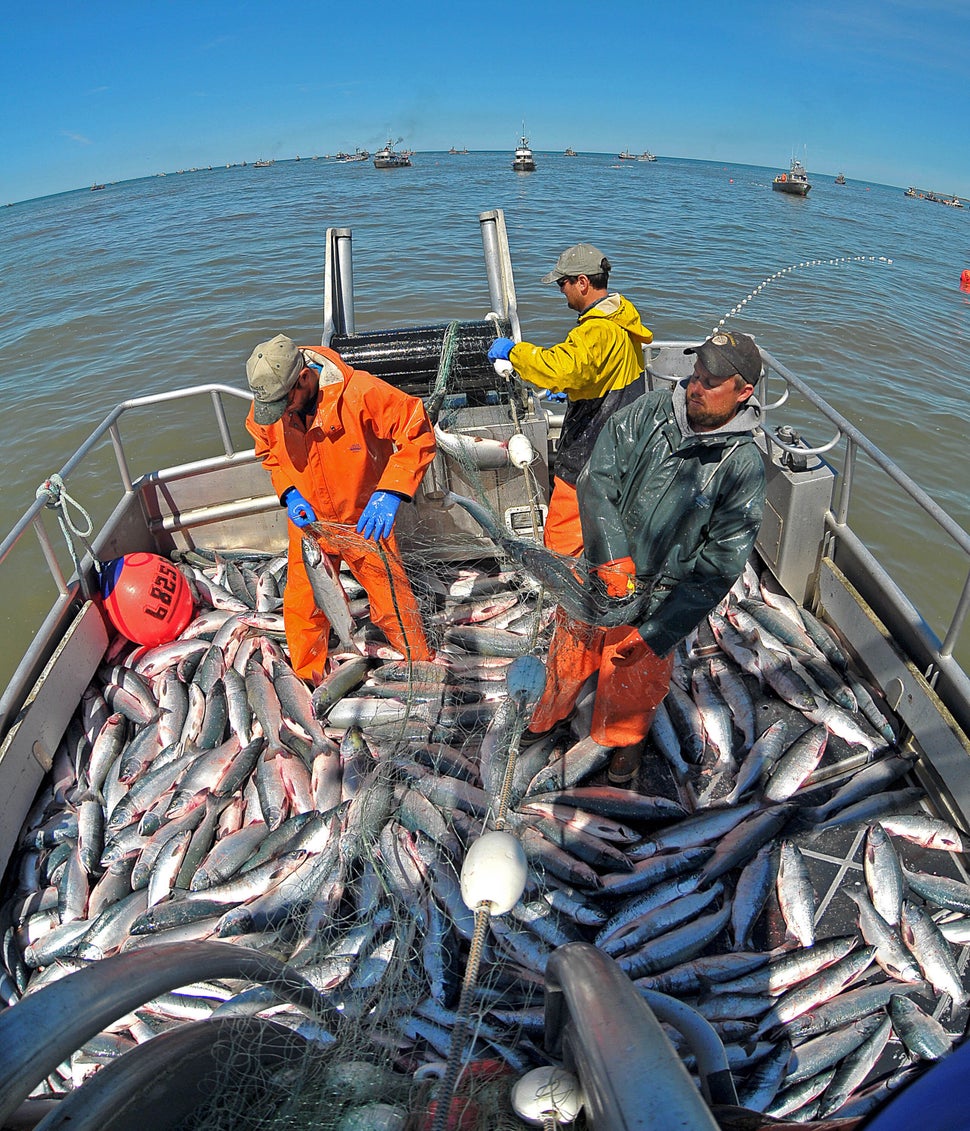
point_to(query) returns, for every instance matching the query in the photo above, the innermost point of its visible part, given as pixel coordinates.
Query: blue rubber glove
(300, 512)
(377, 520)
(500, 349)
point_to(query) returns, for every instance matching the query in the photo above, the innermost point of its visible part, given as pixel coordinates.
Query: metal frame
(338, 291)
(498, 267)
(338, 287)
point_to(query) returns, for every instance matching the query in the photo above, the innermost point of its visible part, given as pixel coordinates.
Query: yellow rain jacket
(599, 367)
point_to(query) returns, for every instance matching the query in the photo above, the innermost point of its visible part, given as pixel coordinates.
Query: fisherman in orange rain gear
(340, 446)
(599, 367)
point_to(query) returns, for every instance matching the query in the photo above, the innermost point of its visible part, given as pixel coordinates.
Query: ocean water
(163, 282)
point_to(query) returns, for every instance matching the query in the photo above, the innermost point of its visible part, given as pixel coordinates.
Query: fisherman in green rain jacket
(670, 502)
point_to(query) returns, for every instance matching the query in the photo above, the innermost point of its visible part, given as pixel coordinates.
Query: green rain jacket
(685, 506)
(600, 369)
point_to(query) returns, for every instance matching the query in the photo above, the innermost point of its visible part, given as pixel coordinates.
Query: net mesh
(224, 799)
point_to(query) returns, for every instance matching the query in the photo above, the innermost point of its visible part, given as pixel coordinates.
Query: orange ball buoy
(463, 1115)
(965, 280)
(146, 598)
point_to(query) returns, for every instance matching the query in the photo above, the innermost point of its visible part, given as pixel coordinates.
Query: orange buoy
(146, 598)
(463, 1114)
(965, 280)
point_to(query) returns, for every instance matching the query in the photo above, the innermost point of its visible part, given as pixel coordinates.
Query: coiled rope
(55, 496)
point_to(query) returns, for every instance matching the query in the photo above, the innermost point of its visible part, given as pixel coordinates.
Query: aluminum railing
(32, 519)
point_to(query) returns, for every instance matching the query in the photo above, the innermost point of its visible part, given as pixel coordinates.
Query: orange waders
(563, 531)
(632, 682)
(393, 608)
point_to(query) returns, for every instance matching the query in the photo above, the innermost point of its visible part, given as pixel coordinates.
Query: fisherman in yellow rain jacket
(599, 367)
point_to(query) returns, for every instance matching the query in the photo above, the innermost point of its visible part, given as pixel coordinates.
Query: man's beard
(701, 418)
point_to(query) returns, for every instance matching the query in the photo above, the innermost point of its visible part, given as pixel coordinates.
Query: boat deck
(221, 498)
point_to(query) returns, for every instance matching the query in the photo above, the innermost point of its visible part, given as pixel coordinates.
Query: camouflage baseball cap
(726, 353)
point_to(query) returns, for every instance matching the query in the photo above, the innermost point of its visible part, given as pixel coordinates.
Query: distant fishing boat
(794, 182)
(626, 155)
(523, 160)
(94, 188)
(358, 155)
(389, 158)
(570, 152)
(840, 179)
(646, 155)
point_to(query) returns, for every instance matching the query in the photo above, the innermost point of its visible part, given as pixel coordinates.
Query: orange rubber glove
(618, 576)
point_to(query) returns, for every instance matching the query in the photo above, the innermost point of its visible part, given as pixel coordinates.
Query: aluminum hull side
(790, 187)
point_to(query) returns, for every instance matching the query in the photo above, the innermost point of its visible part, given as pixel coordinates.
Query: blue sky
(106, 91)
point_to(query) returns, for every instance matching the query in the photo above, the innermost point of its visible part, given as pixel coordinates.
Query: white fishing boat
(795, 182)
(523, 160)
(86, 1045)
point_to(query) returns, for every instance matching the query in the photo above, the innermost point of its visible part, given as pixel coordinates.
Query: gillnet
(202, 793)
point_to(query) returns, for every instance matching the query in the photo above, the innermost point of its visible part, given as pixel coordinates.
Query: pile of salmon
(775, 867)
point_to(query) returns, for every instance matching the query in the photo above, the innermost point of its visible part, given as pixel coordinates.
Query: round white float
(547, 1091)
(521, 451)
(494, 873)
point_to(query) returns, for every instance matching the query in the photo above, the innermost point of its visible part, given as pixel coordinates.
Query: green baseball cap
(580, 259)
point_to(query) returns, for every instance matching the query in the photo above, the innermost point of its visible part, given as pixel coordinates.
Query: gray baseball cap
(726, 353)
(580, 259)
(272, 370)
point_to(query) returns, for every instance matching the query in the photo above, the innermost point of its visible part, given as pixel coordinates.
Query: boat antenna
(795, 267)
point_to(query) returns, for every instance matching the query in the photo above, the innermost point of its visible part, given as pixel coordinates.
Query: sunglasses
(561, 283)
